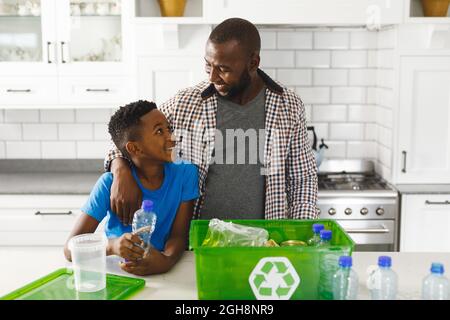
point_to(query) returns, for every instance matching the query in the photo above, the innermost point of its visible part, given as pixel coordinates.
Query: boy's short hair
(124, 123)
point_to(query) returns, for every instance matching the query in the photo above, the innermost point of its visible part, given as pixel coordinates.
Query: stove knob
(379, 211)
(364, 211)
(332, 211)
(348, 211)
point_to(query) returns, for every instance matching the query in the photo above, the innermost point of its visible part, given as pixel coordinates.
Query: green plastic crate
(223, 272)
(59, 285)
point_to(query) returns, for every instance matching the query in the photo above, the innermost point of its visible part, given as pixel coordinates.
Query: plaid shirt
(289, 164)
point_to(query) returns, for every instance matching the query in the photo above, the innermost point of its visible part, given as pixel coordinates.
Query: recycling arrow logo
(274, 278)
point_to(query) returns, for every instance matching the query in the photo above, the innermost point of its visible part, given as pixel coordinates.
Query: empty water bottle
(144, 222)
(315, 239)
(382, 282)
(436, 286)
(328, 265)
(345, 280)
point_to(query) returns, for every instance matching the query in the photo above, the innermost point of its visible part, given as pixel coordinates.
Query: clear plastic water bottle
(436, 286)
(345, 280)
(328, 265)
(144, 222)
(382, 282)
(315, 239)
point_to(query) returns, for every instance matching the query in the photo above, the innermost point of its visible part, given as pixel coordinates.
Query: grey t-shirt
(234, 184)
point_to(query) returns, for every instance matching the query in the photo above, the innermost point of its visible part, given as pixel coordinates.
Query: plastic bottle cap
(437, 268)
(384, 261)
(345, 261)
(147, 205)
(317, 227)
(325, 234)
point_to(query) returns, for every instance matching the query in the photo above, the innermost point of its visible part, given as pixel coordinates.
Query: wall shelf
(415, 14)
(147, 8)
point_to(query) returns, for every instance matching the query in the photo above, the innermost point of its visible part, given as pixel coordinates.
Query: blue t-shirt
(180, 184)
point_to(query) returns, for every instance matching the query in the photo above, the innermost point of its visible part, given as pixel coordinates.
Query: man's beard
(241, 86)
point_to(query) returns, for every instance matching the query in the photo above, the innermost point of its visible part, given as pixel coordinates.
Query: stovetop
(356, 182)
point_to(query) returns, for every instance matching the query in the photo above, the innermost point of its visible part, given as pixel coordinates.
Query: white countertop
(22, 265)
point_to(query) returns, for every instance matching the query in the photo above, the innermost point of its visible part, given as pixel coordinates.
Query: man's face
(155, 142)
(227, 67)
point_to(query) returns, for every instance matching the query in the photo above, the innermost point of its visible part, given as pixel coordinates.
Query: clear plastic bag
(229, 234)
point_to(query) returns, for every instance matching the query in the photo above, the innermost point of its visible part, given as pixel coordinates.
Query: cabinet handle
(97, 90)
(437, 202)
(381, 230)
(404, 161)
(62, 52)
(48, 52)
(38, 213)
(18, 90)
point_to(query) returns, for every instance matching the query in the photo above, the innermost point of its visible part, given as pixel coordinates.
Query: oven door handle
(383, 229)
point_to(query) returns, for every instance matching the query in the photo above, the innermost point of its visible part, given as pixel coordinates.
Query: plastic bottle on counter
(436, 286)
(328, 265)
(345, 280)
(382, 282)
(144, 222)
(315, 239)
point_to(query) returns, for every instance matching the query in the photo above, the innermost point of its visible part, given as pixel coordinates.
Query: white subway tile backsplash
(23, 150)
(268, 39)
(348, 95)
(76, 132)
(293, 77)
(361, 149)
(2, 117)
(371, 95)
(363, 77)
(387, 39)
(308, 112)
(277, 59)
(384, 155)
(330, 77)
(336, 150)
(383, 171)
(361, 113)
(371, 132)
(385, 58)
(329, 113)
(2, 150)
(385, 97)
(385, 136)
(40, 132)
(363, 40)
(58, 150)
(321, 130)
(21, 116)
(92, 115)
(347, 131)
(385, 78)
(349, 59)
(57, 115)
(92, 149)
(270, 72)
(313, 59)
(101, 131)
(10, 131)
(372, 58)
(295, 40)
(312, 95)
(331, 40)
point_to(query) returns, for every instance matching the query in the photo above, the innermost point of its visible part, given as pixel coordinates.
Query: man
(237, 101)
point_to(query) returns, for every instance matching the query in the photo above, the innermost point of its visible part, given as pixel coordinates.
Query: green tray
(59, 285)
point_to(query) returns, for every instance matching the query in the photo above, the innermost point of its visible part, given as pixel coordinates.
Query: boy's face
(155, 142)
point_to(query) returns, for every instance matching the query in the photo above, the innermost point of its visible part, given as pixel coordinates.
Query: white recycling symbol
(274, 278)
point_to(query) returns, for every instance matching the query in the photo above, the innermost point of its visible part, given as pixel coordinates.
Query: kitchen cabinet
(46, 45)
(38, 220)
(425, 219)
(321, 12)
(423, 149)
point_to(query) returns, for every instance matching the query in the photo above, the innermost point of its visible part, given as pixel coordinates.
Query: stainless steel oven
(363, 203)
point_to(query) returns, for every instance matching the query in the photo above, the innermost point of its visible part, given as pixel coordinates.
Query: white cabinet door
(425, 223)
(328, 12)
(38, 220)
(423, 153)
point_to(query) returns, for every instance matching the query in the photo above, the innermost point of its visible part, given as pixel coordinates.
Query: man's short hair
(124, 123)
(241, 30)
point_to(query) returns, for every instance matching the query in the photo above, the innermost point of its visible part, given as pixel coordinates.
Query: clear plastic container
(436, 286)
(144, 222)
(382, 282)
(345, 280)
(315, 239)
(89, 261)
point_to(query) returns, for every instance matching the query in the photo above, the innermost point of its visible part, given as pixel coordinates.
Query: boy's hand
(128, 247)
(126, 197)
(145, 265)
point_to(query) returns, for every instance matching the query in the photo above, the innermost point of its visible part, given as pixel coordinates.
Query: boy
(142, 132)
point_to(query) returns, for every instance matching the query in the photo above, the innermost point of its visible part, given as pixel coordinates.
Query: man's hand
(127, 247)
(126, 197)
